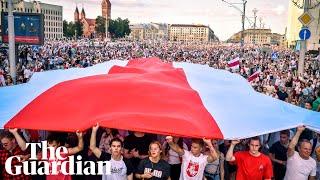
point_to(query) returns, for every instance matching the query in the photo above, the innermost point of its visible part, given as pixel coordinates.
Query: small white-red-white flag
(254, 76)
(234, 63)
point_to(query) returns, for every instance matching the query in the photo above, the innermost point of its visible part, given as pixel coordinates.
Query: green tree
(119, 28)
(101, 25)
(79, 28)
(68, 29)
(65, 28)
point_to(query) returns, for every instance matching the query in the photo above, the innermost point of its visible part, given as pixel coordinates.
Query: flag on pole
(254, 76)
(234, 63)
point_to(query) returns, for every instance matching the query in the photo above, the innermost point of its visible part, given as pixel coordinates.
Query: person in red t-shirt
(251, 165)
(11, 148)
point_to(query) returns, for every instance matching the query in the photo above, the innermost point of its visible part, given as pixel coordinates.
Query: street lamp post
(243, 20)
(305, 5)
(255, 25)
(303, 46)
(243, 15)
(107, 26)
(12, 58)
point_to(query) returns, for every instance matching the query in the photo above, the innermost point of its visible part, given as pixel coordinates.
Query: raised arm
(221, 166)
(294, 141)
(213, 153)
(78, 148)
(229, 155)
(93, 147)
(174, 146)
(19, 139)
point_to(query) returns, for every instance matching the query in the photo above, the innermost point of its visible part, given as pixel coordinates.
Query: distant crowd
(290, 154)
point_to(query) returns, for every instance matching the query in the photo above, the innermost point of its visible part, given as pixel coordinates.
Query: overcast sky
(223, 19)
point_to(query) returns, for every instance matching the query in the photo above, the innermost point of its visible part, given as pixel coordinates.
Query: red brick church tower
(106, 13)
(106, 8)
(89, 24)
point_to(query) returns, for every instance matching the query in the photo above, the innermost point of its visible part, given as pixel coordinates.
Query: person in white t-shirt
(300, 166)
(173, 158)
(193, 161)
(27, 74)
(121, 168)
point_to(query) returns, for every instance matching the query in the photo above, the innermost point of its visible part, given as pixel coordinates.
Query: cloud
(279, 10)
(129, 4)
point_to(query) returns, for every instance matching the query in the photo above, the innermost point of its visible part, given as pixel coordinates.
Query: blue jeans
(212, 176)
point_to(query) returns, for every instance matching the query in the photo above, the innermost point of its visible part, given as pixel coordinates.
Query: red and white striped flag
(234, 63)
(254, 76)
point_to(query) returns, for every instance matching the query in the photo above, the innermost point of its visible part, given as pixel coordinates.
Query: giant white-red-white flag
(234, 63)
(254, 76)
(147, 95)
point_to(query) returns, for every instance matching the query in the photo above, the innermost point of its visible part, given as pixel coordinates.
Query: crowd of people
(290, 154)
(278, 77)
(137, 155)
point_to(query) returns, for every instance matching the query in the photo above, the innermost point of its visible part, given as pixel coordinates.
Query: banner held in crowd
(148, 95)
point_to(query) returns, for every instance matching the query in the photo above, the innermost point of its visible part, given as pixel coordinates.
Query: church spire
(83, 14)
(76, 14)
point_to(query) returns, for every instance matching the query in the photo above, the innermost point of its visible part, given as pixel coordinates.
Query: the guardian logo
(53, 162)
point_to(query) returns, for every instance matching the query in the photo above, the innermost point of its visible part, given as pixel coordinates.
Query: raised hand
(96, 127)
(13, 130)
(169, 139)
(207, 141)
(301, 128)
(79, 134)
(235, 142)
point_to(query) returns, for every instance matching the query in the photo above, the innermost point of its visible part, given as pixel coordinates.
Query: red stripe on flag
(236, 63)
(254, 76)
(146, 95)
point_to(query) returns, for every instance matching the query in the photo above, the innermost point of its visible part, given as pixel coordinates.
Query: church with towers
(89, 25)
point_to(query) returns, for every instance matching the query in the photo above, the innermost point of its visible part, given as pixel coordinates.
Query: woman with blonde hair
(215, 170)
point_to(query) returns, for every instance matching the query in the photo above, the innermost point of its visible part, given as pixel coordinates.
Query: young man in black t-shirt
(136, 147)
(278, 155)
(121, 168)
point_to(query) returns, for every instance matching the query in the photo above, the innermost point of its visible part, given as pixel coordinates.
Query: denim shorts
(212, 176)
